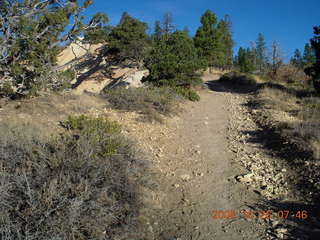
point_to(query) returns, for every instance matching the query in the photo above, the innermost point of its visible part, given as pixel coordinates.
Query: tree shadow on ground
(246, 85)
(220, 86)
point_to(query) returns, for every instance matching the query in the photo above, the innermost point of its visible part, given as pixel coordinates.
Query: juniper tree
(174, 62)
(31, 35)
(128, 40)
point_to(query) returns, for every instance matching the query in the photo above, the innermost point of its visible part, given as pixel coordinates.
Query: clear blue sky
(290, 22)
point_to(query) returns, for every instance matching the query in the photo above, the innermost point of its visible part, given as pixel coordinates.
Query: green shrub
(187, 93)
(237, 78)
(174, 61)
(7, 89)
(81, 185)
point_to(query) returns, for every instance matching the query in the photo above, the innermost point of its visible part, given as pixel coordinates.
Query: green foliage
(157, 31)
(314, 69)
(128, 40)
(214, 40)
(174, 62)
(187, 93)
(245, 60)
(206, 39)
(309, 57)
(68, 74)
(261, 50)
(297, 59)
(224, 27)
(100, 33)
(91, 125)
(6, 89)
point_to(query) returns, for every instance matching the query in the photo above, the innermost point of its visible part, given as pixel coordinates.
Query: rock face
(76, 50)
(132, 79)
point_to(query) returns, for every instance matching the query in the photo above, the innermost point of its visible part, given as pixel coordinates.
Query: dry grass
(298, 118)
(151, 103)
(81, 185)
(277, 99)
(309, 125)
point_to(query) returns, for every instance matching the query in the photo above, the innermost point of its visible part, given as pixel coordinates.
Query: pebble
(185, 177)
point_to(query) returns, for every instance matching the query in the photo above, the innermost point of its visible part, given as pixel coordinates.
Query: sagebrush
(81, 185)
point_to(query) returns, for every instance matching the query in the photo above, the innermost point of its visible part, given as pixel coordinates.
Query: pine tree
(253, 50)
(241, 60)
(128, 40)
(309, 57)
(187, 30)
(208, 40)
(261, 52)
(314, 70)
(124, 17)
(297, 59)
(245, 60)
(157, 31)
(226, 42)
(174, 61)
(315, 43)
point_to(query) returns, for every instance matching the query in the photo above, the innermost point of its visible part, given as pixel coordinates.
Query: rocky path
(198, 177)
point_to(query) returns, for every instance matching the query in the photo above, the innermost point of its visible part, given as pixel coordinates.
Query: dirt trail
(198, 176)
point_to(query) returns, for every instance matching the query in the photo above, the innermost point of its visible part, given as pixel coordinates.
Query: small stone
(247, 178)
(176, 185)
(281, 230)
(185, 177)
(198, 152)
(206, 123)
(283, 170)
